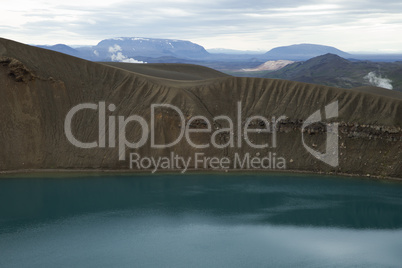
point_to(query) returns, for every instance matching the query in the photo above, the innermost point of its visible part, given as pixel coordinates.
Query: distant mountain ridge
(127, 49)
(130, 49)
(332, 70)
(63, 49)
(151, 47)
(154, 50)
(302, 52)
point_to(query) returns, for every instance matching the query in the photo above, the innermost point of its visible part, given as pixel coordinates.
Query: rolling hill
(332, 70)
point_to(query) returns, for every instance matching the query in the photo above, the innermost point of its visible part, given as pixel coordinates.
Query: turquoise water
(200, 220)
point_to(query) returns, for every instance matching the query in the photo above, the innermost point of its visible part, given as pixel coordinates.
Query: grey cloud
(197, 19)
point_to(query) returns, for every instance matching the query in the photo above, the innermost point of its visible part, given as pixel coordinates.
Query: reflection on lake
(200, 220)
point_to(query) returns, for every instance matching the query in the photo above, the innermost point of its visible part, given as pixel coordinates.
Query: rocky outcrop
(16, 70)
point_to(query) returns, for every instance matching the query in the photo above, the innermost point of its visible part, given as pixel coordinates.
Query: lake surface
(200, 220)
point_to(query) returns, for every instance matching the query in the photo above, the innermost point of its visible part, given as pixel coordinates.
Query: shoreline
(93, 172)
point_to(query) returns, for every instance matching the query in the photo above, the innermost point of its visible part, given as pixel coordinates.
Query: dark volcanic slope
(38, 87)
(175, 71)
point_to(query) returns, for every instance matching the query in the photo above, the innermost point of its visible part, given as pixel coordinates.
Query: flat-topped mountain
(149, 47)
(302, 52)
(127, 49)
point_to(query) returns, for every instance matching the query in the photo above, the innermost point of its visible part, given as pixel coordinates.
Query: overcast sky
(252, 25)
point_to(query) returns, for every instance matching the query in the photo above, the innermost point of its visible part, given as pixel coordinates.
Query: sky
(352, 26)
